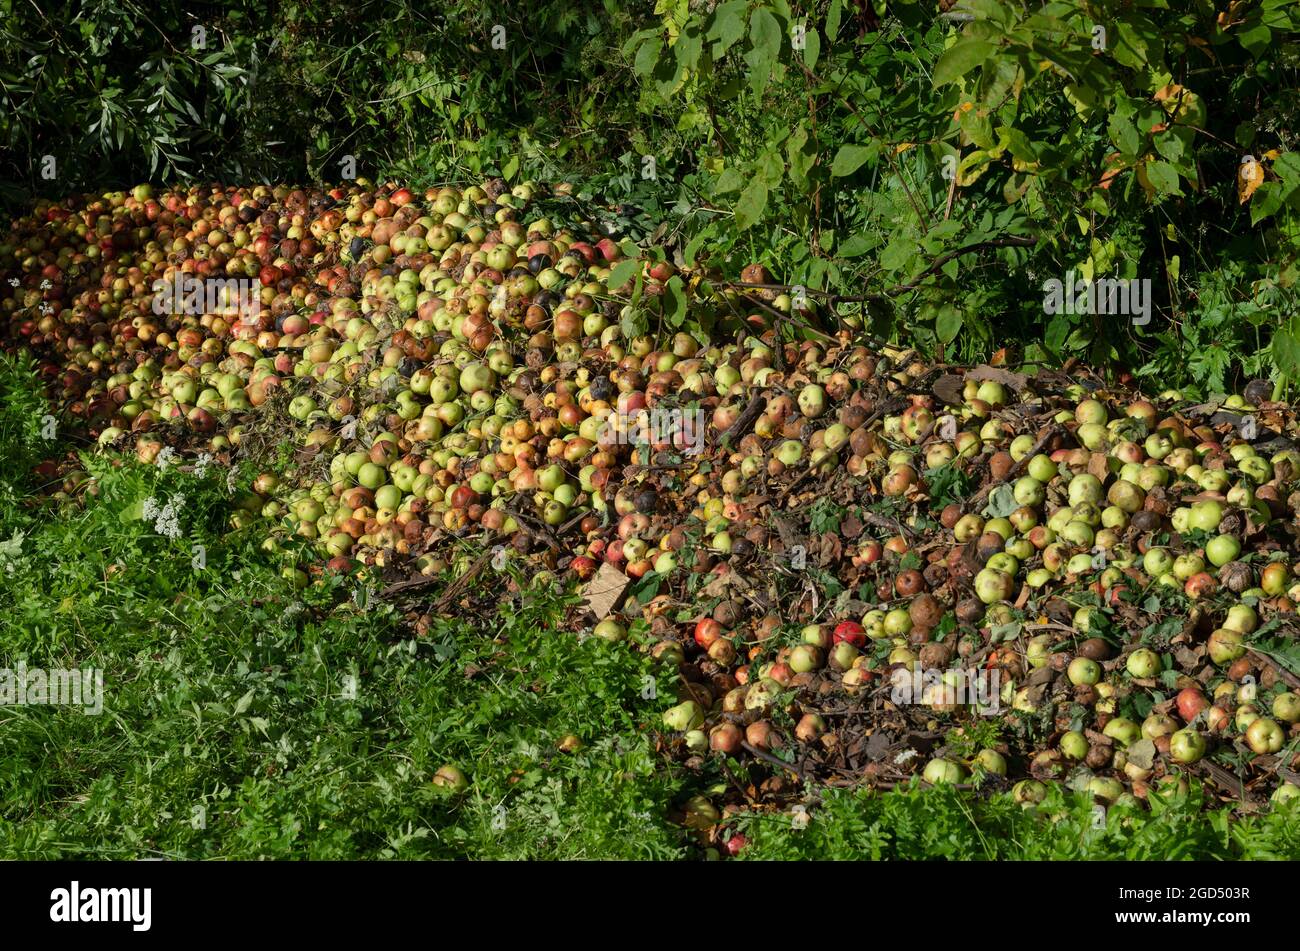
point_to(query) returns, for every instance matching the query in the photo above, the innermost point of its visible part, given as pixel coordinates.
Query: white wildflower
(905, 757)
(166, 457)
(165, 518)
(201, 464)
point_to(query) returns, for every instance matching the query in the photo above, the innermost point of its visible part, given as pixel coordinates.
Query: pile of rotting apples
(862, 567)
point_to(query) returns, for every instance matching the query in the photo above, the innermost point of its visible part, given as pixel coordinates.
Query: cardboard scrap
(605, 591)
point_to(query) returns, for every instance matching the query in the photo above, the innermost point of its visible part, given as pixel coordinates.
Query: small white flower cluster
(232, 479)
(165, 518)
(166, 456)
(201, 464)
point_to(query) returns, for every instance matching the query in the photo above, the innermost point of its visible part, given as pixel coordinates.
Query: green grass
(230, 727)
(944, 823)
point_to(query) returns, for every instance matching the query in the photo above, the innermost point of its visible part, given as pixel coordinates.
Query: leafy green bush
(933, 165)
(911, 155)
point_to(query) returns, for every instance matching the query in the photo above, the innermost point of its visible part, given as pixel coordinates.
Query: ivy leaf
(960, 58)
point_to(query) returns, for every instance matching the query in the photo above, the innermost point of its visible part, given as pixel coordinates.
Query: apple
(850, 632)
(843, 655)
(1073, 745)
(1205, 515)
(1143, 663)
(1157, 562)
(1105, 787)
(1186, 746)
(1123, 731)
(1029, 792)
(990, 761)
(1158, 724)
(1222, 549)
(688, 715)
(1286, 707)
(1083, 671)
(1241, 618)
(610, 630)
(939, 771)
(992, 585)
(707, 631)
(812, 401)
(451, 778)
(805, 658)
(1265, 736)
(1287, 792)
(1191, 702)
(1225, 646)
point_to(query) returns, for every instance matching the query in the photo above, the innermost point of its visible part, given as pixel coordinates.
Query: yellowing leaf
(902, 147)
(1250, 175)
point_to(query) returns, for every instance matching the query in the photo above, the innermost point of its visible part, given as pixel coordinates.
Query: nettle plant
(938, 167)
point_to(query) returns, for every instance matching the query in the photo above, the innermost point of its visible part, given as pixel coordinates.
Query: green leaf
(1286, 349)
(751, 203)
(764, 49)
(1124, 135)
(771, 168)
(858, 244)
(647, 55)
(635, 323)
(800, 160)
(961, 58)
(1255, 39)
(850, 158)
(622, 272)
(1002, 502)
(812, 48)
(833, 19)
(674, 302)
(727, 26)
(731, 180)
(948, 324)
(510, 167)
(1163, 178)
